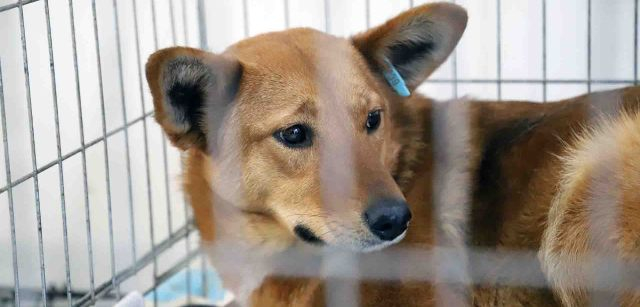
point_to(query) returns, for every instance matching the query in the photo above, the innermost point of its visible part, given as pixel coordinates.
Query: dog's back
(593, 228)
(526, 159)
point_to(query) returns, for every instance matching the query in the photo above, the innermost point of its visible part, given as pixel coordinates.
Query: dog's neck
(411, 120)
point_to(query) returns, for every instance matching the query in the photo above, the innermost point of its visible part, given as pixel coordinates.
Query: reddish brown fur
(602, 165)
(516, 162)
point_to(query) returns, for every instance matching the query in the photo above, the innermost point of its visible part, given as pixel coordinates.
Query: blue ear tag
(395, 80)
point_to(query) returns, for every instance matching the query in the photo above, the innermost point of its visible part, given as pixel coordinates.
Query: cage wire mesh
(90, 202)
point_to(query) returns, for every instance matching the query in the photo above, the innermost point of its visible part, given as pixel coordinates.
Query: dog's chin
(359, 245)
(365, 246)
(383, 244)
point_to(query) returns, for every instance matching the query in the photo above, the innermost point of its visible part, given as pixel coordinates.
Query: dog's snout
(387, 218)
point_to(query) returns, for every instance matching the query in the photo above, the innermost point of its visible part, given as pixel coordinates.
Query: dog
(297, 139)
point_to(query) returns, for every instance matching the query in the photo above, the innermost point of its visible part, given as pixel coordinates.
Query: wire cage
(87, 202)
(90, 204)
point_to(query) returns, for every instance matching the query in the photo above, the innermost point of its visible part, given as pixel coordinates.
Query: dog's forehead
(300, 47)
(301, 64)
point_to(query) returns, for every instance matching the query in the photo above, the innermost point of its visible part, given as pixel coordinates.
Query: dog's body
(519, 149)
(523, 181)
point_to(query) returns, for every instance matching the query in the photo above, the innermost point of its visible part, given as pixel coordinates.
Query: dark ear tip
(455, 13)
(161, 55)
(157, 61)
(441, 7)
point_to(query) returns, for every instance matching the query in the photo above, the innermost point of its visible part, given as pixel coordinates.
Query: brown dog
(298, 139)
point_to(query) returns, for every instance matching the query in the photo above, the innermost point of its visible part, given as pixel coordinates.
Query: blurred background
(92, 190)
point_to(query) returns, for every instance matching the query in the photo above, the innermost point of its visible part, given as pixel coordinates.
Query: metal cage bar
(589, 81)
(544, 51)
(367, 13)
(287, 18)
(245, 19)
(105, 147)
(54, 94)
(327, 16)
(12, 219)
(164, 142)
(635, 42)
(83, 152)
(132, 232)
(204, 44)
(499, 48)
(186, 202)
(146, 148)
(16, 4)
(454, 67)
(34, 160)
(203, 26)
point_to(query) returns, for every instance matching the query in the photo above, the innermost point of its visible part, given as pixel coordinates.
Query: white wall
(521, 44)
(521, 49)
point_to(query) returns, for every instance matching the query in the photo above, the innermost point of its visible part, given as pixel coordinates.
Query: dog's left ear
(415, 42)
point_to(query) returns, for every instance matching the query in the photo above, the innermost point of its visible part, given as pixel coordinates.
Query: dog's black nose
(387, 218)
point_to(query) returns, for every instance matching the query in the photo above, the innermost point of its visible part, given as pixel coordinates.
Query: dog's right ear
(187, 83)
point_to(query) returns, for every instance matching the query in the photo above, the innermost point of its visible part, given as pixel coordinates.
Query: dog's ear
(415, 42)
(187, 83)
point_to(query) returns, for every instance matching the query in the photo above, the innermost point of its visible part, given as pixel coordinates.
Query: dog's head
(300, 124)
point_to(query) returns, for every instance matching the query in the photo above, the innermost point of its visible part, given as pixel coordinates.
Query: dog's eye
(295, 136)
(373, 121)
